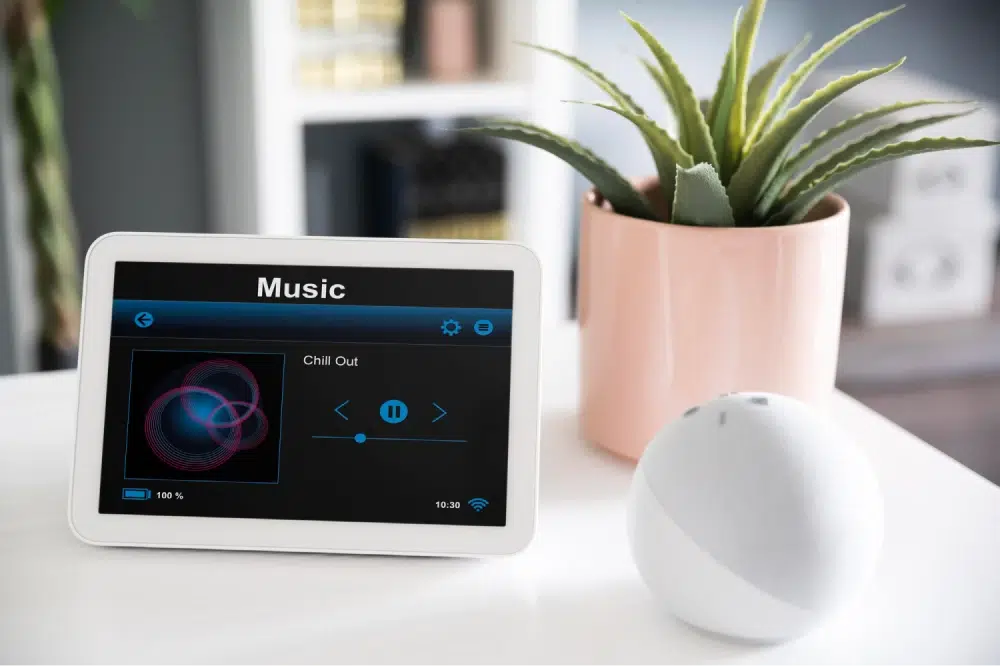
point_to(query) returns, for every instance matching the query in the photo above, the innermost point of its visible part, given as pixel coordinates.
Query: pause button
(393, 411)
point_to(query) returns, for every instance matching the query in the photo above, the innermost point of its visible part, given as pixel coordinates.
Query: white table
(573, 596)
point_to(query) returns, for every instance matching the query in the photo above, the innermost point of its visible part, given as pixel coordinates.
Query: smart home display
(315, 394)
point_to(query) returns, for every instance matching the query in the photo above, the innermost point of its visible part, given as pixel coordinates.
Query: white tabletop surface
(572, 596)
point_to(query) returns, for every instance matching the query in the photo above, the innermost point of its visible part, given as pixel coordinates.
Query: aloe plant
(733, 161)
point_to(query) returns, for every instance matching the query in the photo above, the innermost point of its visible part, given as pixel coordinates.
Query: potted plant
(725, 272)
(35, 98)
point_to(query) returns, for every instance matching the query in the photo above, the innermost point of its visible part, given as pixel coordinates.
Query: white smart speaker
(754, 517)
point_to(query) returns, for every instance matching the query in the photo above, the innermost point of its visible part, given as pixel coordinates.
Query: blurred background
(334, 117)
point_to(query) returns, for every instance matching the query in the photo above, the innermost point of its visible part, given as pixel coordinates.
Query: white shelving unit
(257, 115)
(415, 100)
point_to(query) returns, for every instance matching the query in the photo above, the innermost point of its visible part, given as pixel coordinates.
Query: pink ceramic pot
(673, 315)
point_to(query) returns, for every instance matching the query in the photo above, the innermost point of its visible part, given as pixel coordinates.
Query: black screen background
(333, 479)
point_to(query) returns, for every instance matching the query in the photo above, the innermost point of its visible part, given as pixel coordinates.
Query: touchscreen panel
(308, 393)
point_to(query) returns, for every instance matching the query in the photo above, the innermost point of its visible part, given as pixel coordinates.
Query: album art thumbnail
(204, 416)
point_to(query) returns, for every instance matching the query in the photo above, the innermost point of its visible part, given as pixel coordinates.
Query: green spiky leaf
(882, 136)
(746, 37)
(722, 105)
(700, 198)
(802, 72)
(697, 138)
(668, 94)
(794, 210)
(722, 87)
(662, 82)
(621, 98)
(762, 163)
(825, 138)
(620, 193)
(763, 80)
(667, 153)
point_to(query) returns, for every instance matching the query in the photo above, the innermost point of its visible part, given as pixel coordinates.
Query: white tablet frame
(301, 535)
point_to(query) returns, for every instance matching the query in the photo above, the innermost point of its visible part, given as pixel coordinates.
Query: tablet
(308, 394)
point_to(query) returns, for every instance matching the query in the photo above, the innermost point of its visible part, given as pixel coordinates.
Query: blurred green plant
(731, 163)
(37, 105)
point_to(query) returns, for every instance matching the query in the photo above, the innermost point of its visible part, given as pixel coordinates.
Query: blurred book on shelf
(349, 14)
(487, 226)
(415, 187)
(350, 43)
(355, 69)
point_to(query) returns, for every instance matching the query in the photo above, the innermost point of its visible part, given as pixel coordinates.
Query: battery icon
(135, 494)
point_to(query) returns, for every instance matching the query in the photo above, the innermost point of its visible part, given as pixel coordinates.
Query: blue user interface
(309, 393)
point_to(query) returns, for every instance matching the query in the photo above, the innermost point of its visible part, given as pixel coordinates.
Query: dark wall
(133, 113)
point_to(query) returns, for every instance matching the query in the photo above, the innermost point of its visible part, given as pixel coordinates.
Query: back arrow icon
(143, 320)
(441, 415)
(340, 413)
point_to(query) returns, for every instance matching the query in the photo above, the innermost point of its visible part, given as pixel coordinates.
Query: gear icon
(450, 327)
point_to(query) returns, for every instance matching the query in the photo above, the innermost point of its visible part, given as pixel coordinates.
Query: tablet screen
(308, 393)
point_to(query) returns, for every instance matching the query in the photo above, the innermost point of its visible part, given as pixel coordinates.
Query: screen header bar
(351, 285)
(311, 322)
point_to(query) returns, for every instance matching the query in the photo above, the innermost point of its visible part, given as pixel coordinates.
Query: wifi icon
(478, 503)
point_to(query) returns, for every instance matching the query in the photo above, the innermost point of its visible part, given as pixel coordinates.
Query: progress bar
(361, 438)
